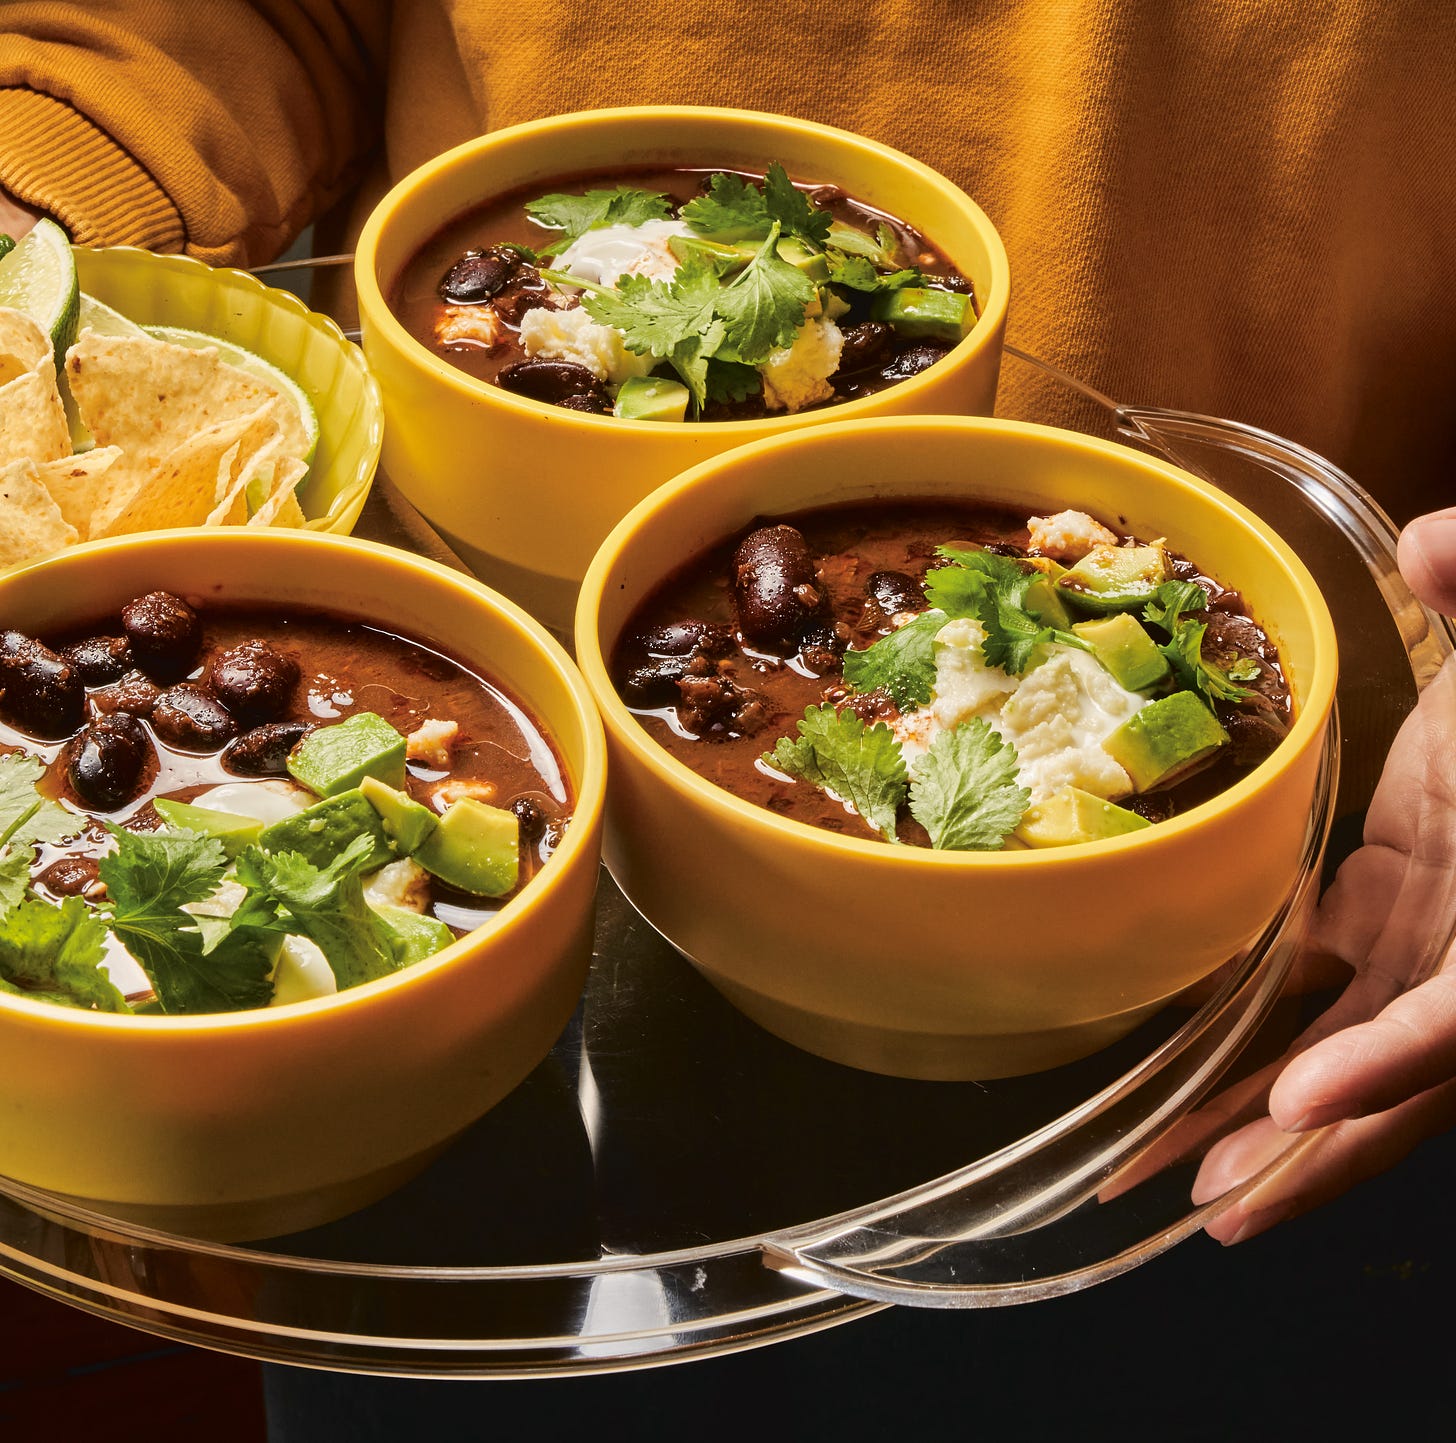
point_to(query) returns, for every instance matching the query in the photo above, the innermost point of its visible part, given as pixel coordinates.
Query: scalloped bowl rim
(359, 483)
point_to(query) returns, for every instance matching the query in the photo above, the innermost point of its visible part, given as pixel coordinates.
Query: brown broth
(414, 298)
(849, 544)
(346, 667)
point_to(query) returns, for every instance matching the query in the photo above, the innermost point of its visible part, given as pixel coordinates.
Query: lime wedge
(39, 278)
(98, 316)
(254, 365)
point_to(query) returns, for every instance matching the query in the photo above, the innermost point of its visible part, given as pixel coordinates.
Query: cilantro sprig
(735, 210)
(963, 790)
(575, 215)
(1184, 647)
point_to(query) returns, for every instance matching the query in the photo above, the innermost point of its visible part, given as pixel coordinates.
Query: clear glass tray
(673, 1182)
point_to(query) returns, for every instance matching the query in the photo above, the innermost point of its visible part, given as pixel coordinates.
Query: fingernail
(1433, 538)
(1315, 1117)
(1259, 1222)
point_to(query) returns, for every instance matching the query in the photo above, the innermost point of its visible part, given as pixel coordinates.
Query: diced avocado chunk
(814, 264)
(475, 847)
(406, 822)
(233, 831)
(322, 831)
(1114, 578)
(924, 313)
(651, 398)
(412, 936)
(720, 253)
(1042, 602)
(1164, 738)
(1125, 649)
(333, 759)
(1071, 815)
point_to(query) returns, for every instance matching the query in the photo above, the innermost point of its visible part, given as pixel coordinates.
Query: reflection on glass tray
(675, 1182)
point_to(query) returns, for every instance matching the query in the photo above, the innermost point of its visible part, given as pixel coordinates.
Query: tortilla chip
(23, 345)
(148, 397)
(32, 418)
(183, 489)
(232, 505)
(80, 485)
(31, 523)
(282, 508)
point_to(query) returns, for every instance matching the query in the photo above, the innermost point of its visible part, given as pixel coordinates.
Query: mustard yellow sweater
(1246, 207)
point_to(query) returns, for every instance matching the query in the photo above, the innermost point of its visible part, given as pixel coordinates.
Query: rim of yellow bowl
(375, 310)
(620, 721)
(590, 789)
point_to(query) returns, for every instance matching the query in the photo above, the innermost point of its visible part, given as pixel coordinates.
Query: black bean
(894, 592)
(865, 345)
(253, 680)
(592, 405)
(911, 362)
(135, 692)
(526, 292)
(263, 752)
(657, 660)
(550, 381)
(478, 275)
(69, 876)
(163, 631)
(108, 758)
(822, 645)
(99, 659)
(531, 816)
(39, 691)
(775, 588)
(191, 719)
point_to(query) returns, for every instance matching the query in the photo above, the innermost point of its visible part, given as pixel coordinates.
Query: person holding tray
(1240, 213)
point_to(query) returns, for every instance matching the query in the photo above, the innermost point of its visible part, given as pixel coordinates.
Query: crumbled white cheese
(573, 336)
(432, 742)
(797, 375)
(1069, 535)
(448, 792)
(1057, 720)
(1056, 714)
(606, 254)
(399, 884)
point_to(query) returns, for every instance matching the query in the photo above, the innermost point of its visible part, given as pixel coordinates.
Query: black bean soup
(465, 292)
(729, 651)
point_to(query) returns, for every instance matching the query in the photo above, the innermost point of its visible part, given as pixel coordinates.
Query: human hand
(1371, 1091)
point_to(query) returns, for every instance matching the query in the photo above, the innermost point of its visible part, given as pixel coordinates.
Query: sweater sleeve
(218, 129)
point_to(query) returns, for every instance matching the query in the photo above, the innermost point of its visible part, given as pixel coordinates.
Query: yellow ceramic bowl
(944, 964)
(165, 290)
(248, 1124)
(525, 491)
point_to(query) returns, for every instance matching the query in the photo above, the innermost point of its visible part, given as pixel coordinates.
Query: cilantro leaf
(992, 589)
(964, 790)
(1194, 670)
(861, 766)
(54, 953)
(792, 209)
(326, 905)
(1170, 600)
(1245, 669)
(26, 816)
(732, 380)
(655, 317)
(763, 306)
(901, 664)
(858, 273)
(149, 879)
(574, 215)
(731, 211)
(15, 864)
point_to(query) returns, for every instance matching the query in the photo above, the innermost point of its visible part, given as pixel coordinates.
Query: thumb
(1427, 558)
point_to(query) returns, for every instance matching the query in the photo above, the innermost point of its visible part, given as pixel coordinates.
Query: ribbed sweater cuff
(55, 159)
